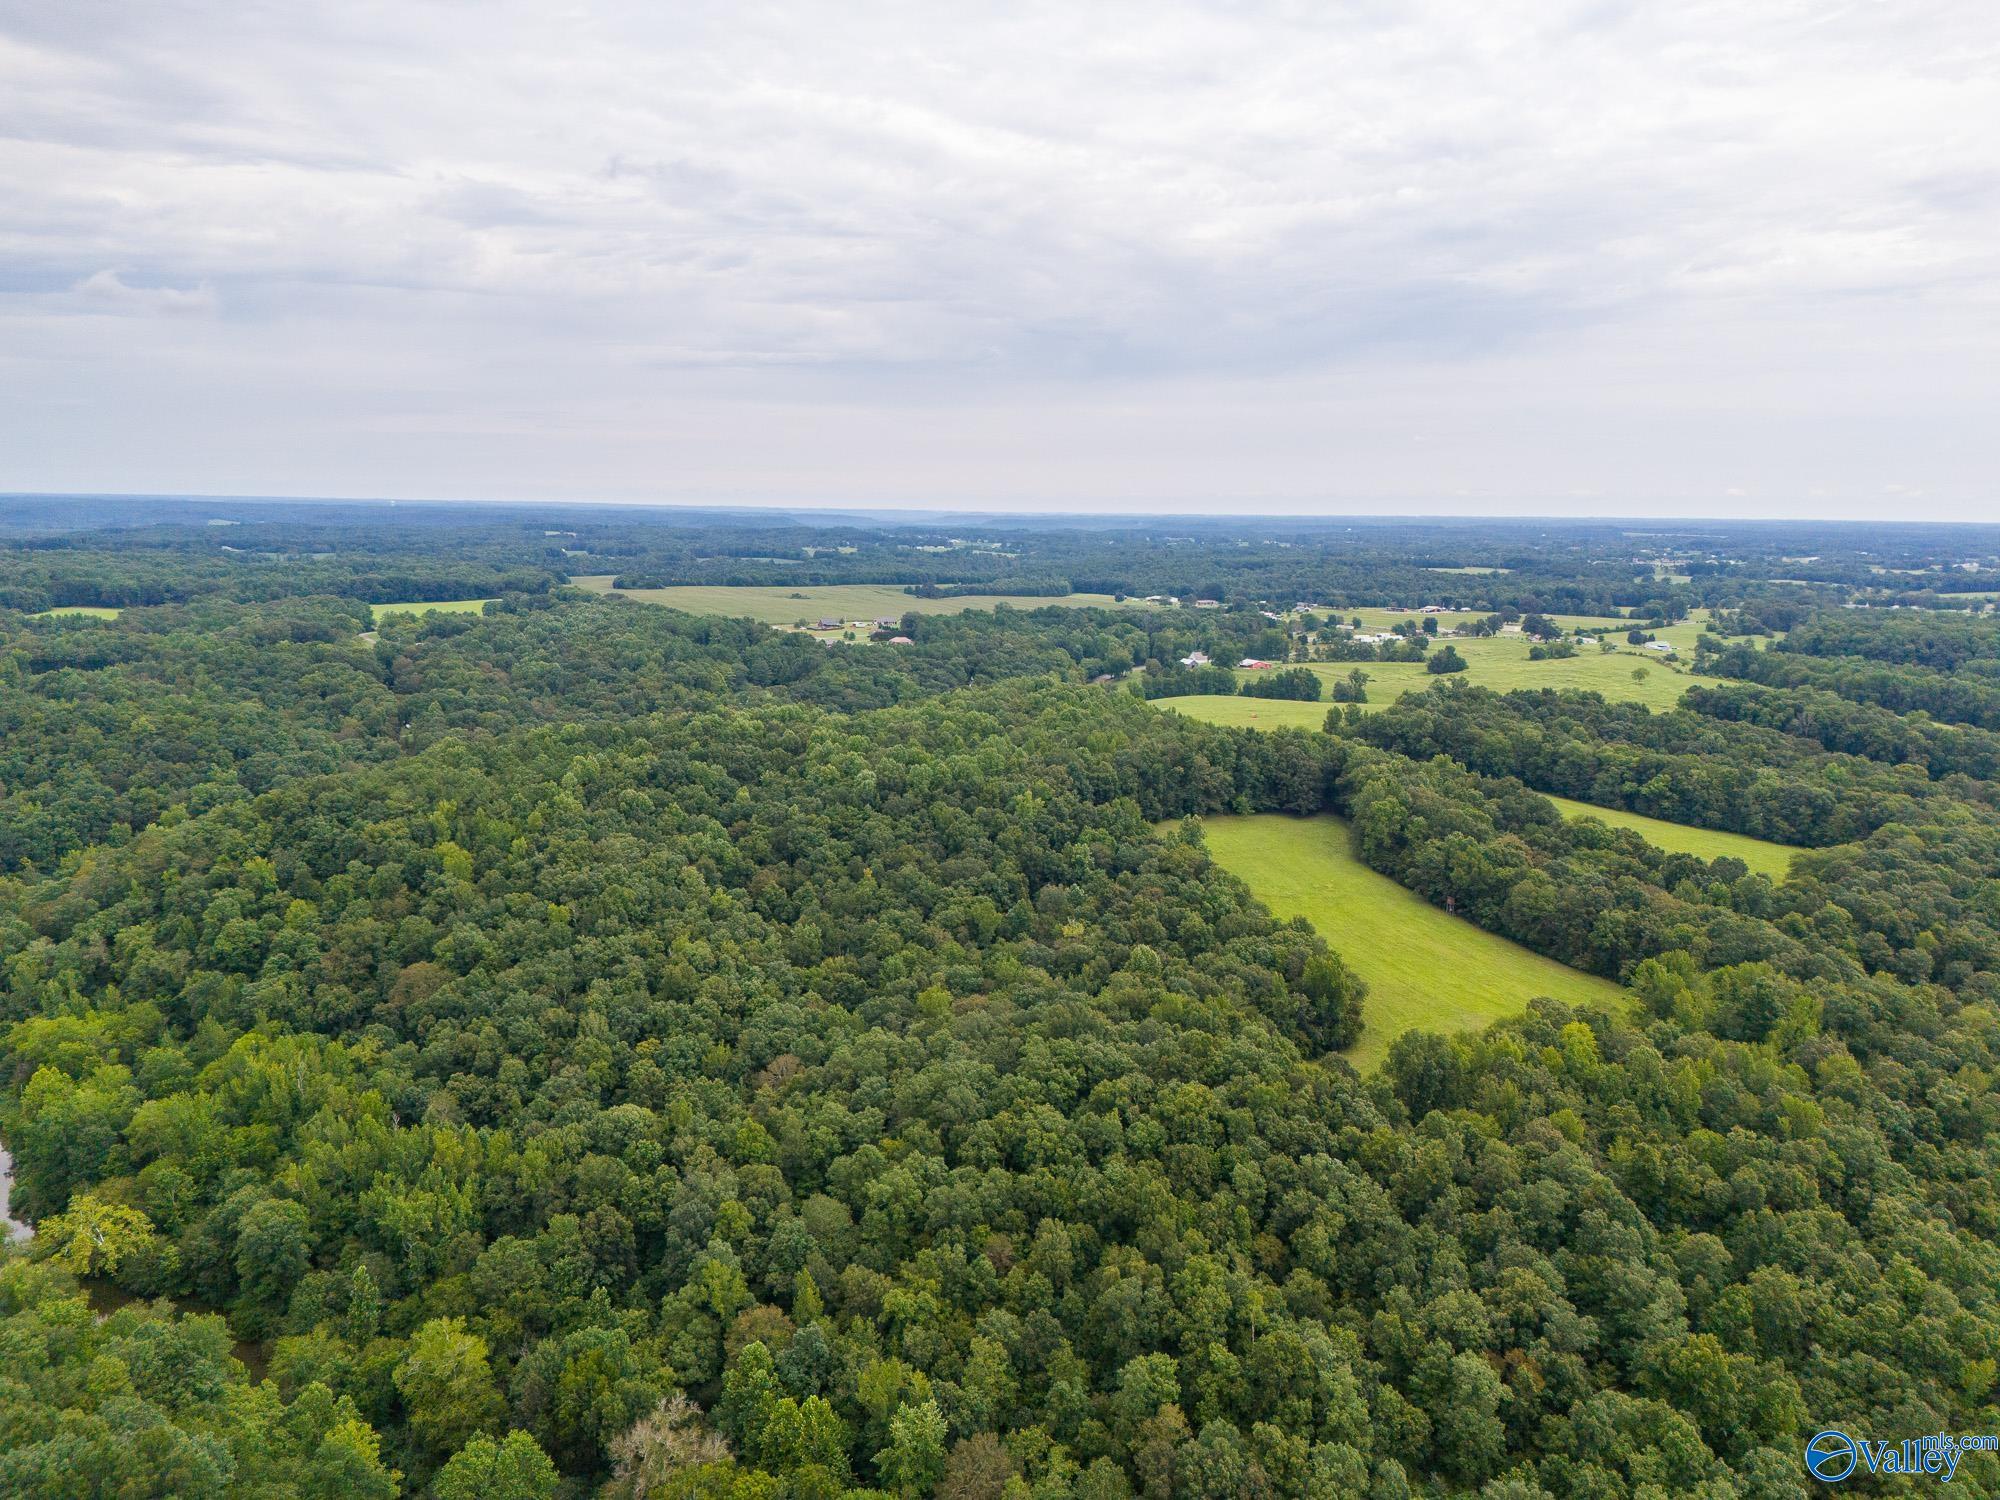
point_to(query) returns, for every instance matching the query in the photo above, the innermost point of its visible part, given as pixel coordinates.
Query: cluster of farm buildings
(886, 623)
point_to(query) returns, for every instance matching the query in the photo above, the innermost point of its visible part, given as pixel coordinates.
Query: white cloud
(107, 291)
(1124, 253)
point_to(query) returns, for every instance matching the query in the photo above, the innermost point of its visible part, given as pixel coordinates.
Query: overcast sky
(1734, 258)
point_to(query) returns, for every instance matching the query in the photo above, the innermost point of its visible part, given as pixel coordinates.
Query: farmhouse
(1660, 648)
(829, 624)
(1195, 659)
(901, 640)
(1252, 663)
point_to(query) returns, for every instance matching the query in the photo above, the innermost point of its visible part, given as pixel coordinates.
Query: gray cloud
(1452, 254)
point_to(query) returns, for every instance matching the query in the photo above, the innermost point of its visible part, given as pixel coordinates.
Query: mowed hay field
(78, 612)
(1762, 856)
(1424, 967)
(428, 606)
(775, 605)
(1251, 713)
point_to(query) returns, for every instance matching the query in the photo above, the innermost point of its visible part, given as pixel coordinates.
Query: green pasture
(1250, 713)
(1499, 662)
(1424, 967)
(1762, 856)
(79, 612)
(429, 606)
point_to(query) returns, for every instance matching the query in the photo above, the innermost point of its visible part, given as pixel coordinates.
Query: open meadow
(430, 606)
(1424, 967)
(1250, 713)
(1499, 662)
(1762, 856)
(78, 611)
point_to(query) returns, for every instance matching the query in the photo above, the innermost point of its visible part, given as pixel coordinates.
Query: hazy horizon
(1469, 259)
(1023, 512)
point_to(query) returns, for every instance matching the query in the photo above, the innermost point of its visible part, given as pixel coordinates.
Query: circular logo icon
(1830, 1456)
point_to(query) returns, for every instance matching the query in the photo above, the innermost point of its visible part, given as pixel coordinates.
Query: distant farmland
(776, 604)
(1498, 662)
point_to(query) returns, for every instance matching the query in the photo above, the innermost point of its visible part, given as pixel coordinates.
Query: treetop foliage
(589, 1050)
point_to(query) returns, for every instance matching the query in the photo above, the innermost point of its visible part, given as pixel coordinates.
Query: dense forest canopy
(580, 1048)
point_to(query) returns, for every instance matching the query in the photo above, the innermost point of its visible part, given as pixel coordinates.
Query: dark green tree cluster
(888, 1088)
(1942, 642)
(142, 1402)
(1855, 728)
(1295, 683)
(104, 726)
(1178, 681)
(1683, 766)
(578, 1042)
(1968, 696)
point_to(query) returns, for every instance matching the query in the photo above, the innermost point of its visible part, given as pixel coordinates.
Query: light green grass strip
(1762, 856)
(1424, 967)
(429, 606)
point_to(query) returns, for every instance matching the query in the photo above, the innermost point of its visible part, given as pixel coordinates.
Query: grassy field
(1763, 857)
(1476, 572)
(425, 606)
(82, 611)
(1499, 662)
(1424, 967)
(776, 605)
(1250, 713)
